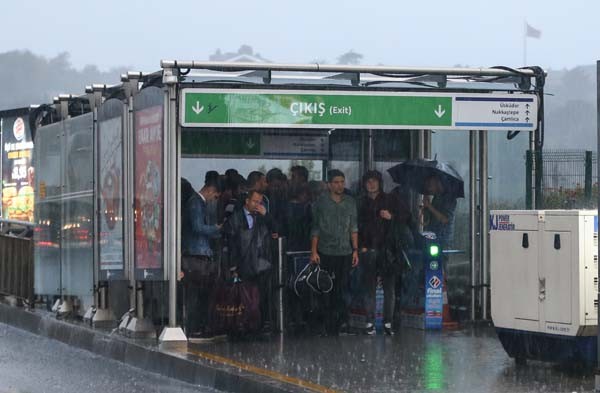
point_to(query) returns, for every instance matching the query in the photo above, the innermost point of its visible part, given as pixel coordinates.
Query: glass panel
(347, 147)
(390, 148)
(506, 169)
(47, 210)
(78, 211)
(453, 148)
(110, 186)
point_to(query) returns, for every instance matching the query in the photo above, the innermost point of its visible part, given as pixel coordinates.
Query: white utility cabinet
(544, 282)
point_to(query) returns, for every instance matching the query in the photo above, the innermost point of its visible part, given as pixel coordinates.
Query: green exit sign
(314, 109)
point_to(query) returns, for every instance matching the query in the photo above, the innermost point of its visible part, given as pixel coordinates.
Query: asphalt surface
(31, 364)
(466, 360)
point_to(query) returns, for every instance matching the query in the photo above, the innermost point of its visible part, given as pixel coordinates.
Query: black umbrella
(414, 172)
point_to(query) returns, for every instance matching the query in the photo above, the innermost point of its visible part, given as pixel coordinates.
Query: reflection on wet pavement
(469, 360)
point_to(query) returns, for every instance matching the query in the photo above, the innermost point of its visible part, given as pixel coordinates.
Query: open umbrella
(414, 172)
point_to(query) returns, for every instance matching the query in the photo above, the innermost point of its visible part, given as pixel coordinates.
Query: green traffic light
(434, 250)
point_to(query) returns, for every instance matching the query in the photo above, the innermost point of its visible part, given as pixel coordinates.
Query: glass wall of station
(64, 236)
(247, 150)
(453, 147)
(506, 190)
(507, 170)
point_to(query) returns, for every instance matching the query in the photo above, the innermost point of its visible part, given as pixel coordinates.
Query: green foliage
(570, 198)
(28, 79)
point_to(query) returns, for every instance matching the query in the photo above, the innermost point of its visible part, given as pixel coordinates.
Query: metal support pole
(473, 216)
(370, 152)
(539, 173)
(588, 177)
(128, 181)
(532, 170)
(421, 144)
(89, 314)
(483, 198)
(427, 135)
(420, 154)
(597, 378)
(128, 216)
(171, 207)
(280, 285)
(172, 333)
(529, 179)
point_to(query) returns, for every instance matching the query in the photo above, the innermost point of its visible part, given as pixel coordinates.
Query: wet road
(30, 363)
(469, 360)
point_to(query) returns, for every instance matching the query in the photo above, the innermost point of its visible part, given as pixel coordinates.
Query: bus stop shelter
(109, 216)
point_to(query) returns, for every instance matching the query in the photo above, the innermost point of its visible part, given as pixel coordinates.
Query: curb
(197, 372)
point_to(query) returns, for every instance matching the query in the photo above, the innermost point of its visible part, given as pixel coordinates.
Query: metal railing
(16, 259)
(567, 178)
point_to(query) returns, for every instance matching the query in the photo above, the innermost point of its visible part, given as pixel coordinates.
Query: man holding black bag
(249, 239)
(199, 270)
(334, 246)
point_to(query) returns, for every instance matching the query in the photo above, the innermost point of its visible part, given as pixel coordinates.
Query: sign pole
(597, 379)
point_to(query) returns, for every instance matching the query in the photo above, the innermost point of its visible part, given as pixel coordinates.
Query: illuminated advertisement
(148, 201)
(110, 196)
(17, 169)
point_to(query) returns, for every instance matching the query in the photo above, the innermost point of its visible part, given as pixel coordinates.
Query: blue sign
(434, 300)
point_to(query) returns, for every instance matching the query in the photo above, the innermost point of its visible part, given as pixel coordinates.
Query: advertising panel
(148, 187)
(434, 287)
(110, 187)
(17, 169)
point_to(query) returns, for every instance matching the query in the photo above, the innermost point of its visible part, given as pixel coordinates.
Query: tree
(350, 57)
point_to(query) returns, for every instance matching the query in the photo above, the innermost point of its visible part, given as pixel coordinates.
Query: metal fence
(16, 259)
(569, 178)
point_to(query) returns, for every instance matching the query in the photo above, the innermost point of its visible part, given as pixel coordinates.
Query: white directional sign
(314, 147)
(513, 112)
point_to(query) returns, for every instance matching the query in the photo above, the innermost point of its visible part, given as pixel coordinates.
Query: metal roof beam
(458, 71)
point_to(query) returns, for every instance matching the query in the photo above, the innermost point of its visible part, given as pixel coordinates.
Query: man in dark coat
(249, 242)
(199, 269)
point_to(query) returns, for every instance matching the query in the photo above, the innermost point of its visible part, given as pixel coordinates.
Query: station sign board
(359, 110)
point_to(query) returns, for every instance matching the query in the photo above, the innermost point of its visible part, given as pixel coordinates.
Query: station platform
(469, 359)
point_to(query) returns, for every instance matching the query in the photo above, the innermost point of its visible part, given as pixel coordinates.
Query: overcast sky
(137, 34)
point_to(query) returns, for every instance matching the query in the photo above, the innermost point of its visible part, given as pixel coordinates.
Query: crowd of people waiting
(228, 228)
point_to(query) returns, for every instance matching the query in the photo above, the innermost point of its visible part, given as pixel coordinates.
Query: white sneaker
(387, 329)
(370, 329)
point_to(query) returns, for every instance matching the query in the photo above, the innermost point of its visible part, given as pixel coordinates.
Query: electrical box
(544, 283)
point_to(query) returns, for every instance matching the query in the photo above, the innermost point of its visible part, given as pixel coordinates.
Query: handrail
(16, 222)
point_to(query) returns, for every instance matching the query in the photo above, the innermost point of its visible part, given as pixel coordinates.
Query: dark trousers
(198, 283)
(264, 282)
(372, 265)
(336, 302)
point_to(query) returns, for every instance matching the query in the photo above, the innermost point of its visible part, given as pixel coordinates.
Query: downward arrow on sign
(439, 112)
(197, 109)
